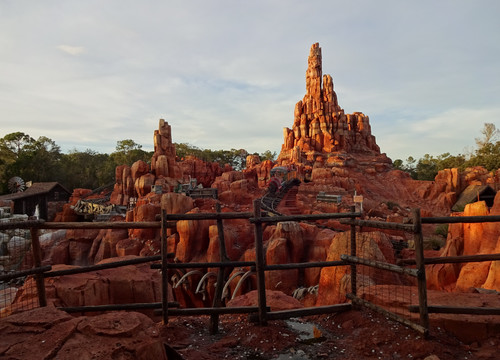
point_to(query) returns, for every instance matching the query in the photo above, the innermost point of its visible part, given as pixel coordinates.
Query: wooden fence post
(259, 263)
(217, 302)
(164, 267)
(421, 280)
(353, 253)
(37, 258)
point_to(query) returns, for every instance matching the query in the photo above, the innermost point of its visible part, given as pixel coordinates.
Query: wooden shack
(49, 196)
(473, 193)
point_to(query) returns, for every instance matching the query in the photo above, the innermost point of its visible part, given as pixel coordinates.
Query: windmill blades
(16, 184)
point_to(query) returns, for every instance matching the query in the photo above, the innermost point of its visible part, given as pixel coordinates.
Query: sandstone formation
(124, 285)
(470, 239)
(335, 282)
(320, 128)
(48, 333)
(137, 180)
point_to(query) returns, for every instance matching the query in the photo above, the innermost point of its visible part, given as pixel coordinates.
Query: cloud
(227, 74)
(72, 50)
(453, 130)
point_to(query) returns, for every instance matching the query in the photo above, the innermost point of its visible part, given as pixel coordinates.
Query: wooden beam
(164, 267)
(452, 259)
(312, 217)
(37, 259)
(438, 309)
(110, 265)
(23, 273)
(217, 301)
(379, 265)
(421, 280)
(378, 224)
(354, 272)
(310, 311)
(460, 219)
(260, 264)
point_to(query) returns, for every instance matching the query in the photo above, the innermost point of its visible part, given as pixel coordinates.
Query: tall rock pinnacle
(320, 125)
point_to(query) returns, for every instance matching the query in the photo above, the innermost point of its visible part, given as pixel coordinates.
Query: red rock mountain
(320, 127)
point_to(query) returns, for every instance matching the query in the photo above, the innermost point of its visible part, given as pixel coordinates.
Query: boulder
(122, 285)
(174, 203)
(193, 238)
(276, 300)
(138, 169)
(334, 281)
(48, 333)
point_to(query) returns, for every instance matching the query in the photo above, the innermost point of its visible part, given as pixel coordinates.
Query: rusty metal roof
(38, 188)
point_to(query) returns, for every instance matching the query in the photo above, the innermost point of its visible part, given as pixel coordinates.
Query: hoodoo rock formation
(320, 127)
(165, 171)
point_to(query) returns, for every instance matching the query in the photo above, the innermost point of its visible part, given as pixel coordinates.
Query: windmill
(16, 184)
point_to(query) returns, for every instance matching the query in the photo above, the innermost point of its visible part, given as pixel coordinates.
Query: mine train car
(279, 176)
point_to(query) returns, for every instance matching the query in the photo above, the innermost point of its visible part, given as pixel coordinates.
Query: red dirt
(47, 333)
(349, 335)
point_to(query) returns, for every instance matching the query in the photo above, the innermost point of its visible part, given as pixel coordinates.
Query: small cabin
(473, 193)
(49, 196)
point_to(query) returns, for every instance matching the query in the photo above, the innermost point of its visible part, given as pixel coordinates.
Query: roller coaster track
(270, 201)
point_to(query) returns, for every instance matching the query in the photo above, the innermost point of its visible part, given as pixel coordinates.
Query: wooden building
(475, 193)
(49, 196)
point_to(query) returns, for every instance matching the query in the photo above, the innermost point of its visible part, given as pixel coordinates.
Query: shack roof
(38, 188)
(472, 193)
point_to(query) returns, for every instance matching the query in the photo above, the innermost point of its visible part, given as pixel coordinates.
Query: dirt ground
(356, 334)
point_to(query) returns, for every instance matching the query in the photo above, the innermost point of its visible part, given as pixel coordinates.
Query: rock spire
(320, 125)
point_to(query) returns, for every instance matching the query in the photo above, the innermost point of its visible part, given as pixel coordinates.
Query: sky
(227, 73)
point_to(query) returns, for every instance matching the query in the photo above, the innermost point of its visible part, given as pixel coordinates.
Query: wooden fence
(261, 313)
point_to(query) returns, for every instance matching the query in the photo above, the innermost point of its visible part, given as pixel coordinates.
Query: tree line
(486, 154)
(40, 160)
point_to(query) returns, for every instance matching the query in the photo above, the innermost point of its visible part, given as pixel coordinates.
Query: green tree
(128, 151)
(32, 160)
(426, 168)
(17, 142)
(86, 169)
(268, 155)
(398, 164)
(448, 161)
(487, 156)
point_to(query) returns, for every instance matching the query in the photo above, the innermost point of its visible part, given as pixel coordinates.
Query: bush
(442, 230)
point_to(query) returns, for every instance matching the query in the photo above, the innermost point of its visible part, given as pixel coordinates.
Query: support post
(353, 253)
(217, 302)
(164, 267)
(259, 263)
(420, 265)
(37, 258)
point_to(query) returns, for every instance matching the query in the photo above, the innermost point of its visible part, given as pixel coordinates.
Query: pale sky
(227, 74)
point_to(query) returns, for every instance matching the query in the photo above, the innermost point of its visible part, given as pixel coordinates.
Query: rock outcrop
(335, 282)
(320, 127)
(48, 333)
(125, 285)
(470, 239)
